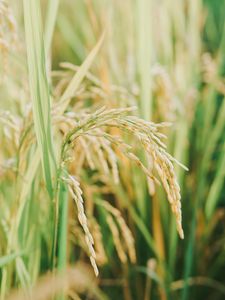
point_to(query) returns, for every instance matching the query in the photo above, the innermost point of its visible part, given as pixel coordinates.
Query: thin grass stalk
(63, 220)
(214, 136)
(52, 10)
(70, 37)
(216, 186)
(78, 77)
(179, 153)
(189, 255)
(144, 56)
(210, 103)
(159, 241)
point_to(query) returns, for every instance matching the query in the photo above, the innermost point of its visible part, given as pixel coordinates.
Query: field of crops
(112, 152)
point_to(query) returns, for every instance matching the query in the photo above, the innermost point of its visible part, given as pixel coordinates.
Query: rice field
(112, 154)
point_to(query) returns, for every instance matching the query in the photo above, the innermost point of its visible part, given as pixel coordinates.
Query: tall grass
(69, 132)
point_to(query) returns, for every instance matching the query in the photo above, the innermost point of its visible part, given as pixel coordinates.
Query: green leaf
(39, 89)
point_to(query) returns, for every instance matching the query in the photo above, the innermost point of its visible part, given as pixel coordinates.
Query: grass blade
(62, 246)
(39, 88)
(216, 186)
(79, 76)
(144, 56)
(4, 260)
(50, 23)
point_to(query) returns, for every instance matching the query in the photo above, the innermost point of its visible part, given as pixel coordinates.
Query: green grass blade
(189, 257)
(63, 216)
(216, 186)
(144, 56)
(63, 203)
(39, 88)
(70, 37)
(79, 76)
(50, 23)
(28, 179)
(4, 260)
(214, 136)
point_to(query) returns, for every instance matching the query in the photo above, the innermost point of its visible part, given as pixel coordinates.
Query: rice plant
(112, 114)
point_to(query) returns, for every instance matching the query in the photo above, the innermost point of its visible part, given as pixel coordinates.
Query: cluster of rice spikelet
(147, 133)
(98, 125)
(210, 73)
(125, 232)
(208, 68)
(101, 257)
(11, 126)
(76, 193)
(163, 90)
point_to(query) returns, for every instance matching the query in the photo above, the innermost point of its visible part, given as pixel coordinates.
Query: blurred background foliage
(166, 57)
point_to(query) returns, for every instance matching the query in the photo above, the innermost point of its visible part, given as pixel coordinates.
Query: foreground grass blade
(39, 89)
